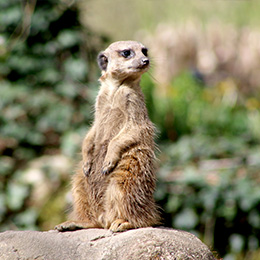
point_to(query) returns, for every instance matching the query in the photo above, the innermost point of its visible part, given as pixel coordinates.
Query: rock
(143, 243)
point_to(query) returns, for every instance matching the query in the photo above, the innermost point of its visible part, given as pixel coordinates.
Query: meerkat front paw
(107, 167)
(109, 163)
(86, 167)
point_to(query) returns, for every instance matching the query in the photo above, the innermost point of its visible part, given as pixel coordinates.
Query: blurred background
(202, 94)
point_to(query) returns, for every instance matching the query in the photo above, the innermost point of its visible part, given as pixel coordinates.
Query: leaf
(27, 219)
(187, 219)
(236, 243)
(68, 38)
(75, 69)
(16, 193)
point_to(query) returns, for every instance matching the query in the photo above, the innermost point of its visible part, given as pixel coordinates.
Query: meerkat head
(124, 59)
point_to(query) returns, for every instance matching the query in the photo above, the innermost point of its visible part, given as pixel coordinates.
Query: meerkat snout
(144, 62)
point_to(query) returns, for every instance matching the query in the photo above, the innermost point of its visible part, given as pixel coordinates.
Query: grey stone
(96, 244)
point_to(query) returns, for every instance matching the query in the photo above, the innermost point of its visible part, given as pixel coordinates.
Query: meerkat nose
(145, 61)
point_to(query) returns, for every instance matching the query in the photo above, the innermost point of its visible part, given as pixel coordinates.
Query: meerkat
(114, 186)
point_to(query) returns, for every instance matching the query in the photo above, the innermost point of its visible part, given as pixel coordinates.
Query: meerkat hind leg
(75, 225)
(120, 225)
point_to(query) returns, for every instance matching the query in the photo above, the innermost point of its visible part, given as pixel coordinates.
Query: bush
(220, 205)
(45, 63)
(208, 176)
(189, 107)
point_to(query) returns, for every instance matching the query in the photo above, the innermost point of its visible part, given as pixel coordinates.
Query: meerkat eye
(126, 53)
(145, 51)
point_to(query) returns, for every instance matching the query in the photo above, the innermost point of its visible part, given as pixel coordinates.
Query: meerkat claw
(107, 169)
(86, 168)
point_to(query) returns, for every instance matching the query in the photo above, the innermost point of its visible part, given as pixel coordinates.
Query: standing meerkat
(114, 185)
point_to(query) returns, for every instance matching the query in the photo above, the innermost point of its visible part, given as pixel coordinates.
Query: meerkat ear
(102, 61)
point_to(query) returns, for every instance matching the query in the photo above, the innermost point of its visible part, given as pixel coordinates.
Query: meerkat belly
(108, 127)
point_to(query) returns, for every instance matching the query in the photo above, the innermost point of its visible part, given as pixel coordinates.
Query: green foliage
(221, 208)
(209, 173)
(191, 107)
(44, 107)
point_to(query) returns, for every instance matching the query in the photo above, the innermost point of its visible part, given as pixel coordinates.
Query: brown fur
(114, 188)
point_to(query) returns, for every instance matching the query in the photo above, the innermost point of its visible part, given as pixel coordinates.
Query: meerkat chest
(110, 118)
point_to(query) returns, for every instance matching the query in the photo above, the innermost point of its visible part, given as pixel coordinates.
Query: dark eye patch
(145, 51)
(127, 53)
